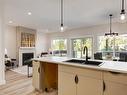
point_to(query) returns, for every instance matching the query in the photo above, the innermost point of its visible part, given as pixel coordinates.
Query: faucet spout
(85, 51)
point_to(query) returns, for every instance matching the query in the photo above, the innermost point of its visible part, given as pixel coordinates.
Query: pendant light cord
(110, 23)
(122, 4)
(123, 7)
(61, 12)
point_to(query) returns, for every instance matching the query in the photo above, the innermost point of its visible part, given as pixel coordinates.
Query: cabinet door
(113, 88)
(66, 84)
(89, 86)
(50, 75)
(36, 75)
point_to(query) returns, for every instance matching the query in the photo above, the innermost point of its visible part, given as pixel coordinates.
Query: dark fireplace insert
(26, 56)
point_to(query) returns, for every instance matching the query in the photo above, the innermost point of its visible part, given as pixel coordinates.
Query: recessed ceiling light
(29, 13)
(10, 21)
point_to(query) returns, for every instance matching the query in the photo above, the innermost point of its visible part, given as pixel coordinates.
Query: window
(59, 47)
(112, 45)
(78, 44)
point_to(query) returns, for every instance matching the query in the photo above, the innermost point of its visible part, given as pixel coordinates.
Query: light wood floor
(18, 84)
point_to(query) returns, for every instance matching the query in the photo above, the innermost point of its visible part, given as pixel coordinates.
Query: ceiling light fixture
(10, 21)
(61, 23)
(123, 13)
(111, 33)
(29, 13)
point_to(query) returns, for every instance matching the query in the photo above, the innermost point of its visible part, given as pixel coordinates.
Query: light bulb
(10, 21)
(61, 28)
(122, 16)
(29, 13)
(5, 51)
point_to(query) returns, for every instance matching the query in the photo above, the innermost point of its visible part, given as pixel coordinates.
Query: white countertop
(114, 66)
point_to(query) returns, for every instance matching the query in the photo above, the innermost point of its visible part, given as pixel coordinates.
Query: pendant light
(111, 33)
(123, 13)
(61, 23)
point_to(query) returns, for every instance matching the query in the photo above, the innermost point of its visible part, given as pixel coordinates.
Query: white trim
(25, 50)
(59, 39)
(2, 29)
(2, 82)
(82, 37)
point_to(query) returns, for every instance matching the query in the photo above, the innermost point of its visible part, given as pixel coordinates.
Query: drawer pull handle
(38, 70)
(76, 79)
(104, 87)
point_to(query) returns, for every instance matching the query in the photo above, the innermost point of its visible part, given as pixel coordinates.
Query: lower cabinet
(89, 86)
(75, 81)
(115, 83)
(36, 82)
(45, 76)
(66, 84)
(113, 88)
(78, 81)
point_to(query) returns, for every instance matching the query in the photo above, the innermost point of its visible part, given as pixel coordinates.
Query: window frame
(59, 49)
(83, 37)
(115, 53)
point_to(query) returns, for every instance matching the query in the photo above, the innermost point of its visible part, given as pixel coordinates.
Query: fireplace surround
(25, 54)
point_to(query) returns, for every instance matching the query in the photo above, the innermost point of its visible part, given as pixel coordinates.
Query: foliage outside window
(78, 45)
(113, 44)
(59, 47)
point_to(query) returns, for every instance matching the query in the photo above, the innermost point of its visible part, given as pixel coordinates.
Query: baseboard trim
(2, 82)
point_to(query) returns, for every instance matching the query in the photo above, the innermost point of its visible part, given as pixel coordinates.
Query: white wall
(41, 42)
(2, 67)
(10, 41)
(93, 31)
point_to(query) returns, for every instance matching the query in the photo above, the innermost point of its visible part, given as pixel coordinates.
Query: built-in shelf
(27, 47)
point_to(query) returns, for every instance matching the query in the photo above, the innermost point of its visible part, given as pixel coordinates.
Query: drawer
(81, 71)
(115, 77)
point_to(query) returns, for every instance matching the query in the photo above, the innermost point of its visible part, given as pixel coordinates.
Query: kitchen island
(109, 78)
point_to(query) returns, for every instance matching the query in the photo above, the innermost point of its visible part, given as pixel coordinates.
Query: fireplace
(26, 56)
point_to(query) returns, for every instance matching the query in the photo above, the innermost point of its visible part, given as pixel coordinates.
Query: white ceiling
(46, 13)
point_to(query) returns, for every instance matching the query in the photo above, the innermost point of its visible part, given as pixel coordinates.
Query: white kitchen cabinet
(76, 81)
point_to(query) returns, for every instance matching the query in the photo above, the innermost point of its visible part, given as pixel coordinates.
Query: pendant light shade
(111, 33)
(123, 13)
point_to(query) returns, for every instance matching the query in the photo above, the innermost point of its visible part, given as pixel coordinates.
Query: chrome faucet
(85, 51)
